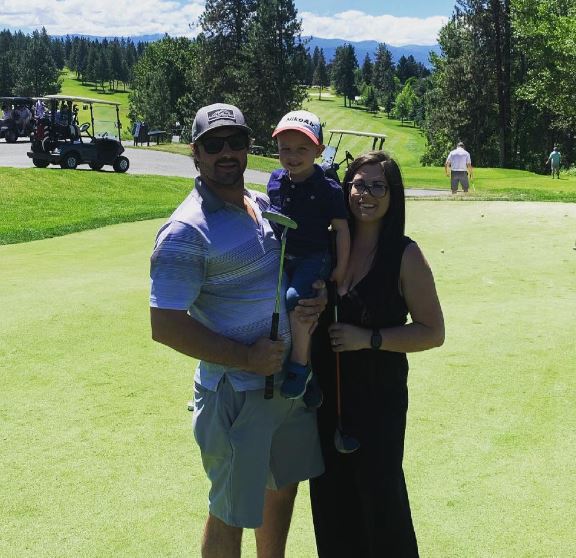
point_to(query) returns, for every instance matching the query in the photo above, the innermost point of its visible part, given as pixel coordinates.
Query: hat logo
(301, 120)
(221, 114)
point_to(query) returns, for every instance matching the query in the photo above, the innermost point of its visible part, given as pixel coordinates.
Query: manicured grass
(99, 460)
(40, 203)
(404, 142)
(74, 88)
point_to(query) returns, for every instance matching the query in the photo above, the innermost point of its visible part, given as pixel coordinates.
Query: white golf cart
(329, 163)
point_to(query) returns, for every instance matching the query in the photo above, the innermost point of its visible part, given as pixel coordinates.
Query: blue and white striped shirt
(214, 261)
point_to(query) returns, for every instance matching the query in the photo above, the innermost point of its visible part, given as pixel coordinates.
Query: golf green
(98, 458)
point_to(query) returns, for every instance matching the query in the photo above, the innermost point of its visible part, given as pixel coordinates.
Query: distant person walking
(554, 159)
(460, 165)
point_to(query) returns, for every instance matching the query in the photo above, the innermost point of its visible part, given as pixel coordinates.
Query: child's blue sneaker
(313, 397)
(296, 380)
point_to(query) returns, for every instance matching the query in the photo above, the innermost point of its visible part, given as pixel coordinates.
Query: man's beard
(229, 176)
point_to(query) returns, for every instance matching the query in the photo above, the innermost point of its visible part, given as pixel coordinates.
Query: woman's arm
(427, 327)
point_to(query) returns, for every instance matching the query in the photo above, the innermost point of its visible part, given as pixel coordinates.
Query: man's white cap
(302, 121)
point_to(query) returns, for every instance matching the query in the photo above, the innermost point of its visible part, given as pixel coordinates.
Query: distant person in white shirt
(39, 109)
(460, 165)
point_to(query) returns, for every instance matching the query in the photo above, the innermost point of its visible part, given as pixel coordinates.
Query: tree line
(251, 53)
(505, 83)
(30, 65)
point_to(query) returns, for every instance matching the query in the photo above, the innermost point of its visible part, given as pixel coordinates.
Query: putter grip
(269, 383)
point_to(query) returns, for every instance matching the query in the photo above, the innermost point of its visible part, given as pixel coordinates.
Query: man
(554, 160)
(214, 271)
(460, 166)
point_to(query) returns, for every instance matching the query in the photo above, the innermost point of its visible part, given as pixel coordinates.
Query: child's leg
(304, 273)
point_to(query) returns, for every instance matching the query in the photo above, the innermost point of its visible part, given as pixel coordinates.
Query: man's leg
(454, 182)
(221, 540)
(271, 537)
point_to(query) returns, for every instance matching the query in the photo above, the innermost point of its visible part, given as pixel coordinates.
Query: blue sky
(398, 8)
(396, 22)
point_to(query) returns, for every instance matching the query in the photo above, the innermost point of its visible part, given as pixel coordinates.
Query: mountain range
(362, 48)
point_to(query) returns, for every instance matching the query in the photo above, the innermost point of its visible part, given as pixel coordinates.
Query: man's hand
(309, 309)
(265, 357)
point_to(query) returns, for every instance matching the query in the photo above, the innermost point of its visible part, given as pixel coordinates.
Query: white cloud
(101, 17)
(143, 17)
(354, 25)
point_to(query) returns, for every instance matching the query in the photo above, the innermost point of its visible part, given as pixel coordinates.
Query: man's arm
(176, 329)
(447, 167)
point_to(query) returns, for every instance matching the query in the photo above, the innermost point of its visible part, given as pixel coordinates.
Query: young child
(302, 192)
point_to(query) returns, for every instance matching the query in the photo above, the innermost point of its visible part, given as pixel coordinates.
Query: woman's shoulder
(413, 259)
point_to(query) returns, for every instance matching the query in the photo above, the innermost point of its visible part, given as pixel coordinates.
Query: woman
(360, 505)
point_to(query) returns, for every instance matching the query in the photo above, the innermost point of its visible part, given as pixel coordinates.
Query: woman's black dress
(360, 504)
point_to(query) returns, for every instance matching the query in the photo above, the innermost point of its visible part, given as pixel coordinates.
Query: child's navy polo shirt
(312, 204)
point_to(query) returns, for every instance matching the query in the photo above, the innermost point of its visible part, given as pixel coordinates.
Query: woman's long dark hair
(392, 229)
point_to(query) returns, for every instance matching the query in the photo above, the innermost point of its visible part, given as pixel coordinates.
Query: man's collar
(211, 201)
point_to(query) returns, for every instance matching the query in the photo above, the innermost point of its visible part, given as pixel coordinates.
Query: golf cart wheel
(11, 136)
(121, 164)
(70, 161)
(40, 163)
(95, 166)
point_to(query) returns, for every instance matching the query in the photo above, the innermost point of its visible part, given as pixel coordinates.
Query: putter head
(282, 220)
(345, 443)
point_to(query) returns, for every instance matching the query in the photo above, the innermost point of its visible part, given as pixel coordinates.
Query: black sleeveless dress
(360, 504)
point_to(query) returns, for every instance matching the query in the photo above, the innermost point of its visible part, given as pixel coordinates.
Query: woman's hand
(346, 337)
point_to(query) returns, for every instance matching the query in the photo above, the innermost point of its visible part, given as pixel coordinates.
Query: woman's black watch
(376, 339)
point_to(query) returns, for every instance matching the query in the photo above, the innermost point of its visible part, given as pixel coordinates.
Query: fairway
(98, 458)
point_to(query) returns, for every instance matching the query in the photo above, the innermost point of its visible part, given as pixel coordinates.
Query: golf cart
(16, 118)
(60, 139)
(329, 163)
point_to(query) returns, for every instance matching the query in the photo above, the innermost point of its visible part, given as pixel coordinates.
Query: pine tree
(343, 76)
(38, 74)
(383, 77)
(367, 70)
(272, 67)
(321, 77)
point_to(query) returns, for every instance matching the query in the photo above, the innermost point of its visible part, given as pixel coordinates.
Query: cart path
(150, 161)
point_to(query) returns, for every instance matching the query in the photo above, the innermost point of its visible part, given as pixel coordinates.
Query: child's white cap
(302, 121)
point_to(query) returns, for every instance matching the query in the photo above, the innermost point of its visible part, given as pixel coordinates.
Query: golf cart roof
(356, 133)
(20, 99)
(85, 100)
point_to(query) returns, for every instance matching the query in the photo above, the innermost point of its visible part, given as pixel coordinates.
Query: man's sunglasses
(376, 189)
(215, 144)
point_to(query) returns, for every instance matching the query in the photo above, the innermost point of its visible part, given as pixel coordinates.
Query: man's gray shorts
(459, 177)
(248, 444)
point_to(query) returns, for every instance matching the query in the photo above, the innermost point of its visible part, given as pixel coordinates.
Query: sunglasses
(215, 144)
(376, 189)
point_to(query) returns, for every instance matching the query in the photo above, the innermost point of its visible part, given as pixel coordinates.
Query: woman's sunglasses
(376, 189)
(215, 144)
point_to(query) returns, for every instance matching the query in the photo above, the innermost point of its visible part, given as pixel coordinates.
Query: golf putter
(344, 443)
(287, 223)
